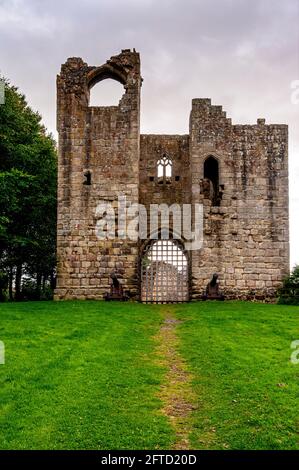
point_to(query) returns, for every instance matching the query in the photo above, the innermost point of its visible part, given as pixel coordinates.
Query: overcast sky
(243, 54)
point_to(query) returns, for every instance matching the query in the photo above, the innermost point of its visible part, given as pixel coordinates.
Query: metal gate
(164, 272)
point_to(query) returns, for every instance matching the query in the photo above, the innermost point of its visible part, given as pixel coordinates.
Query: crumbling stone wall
(103, 143)
(246, 231)
(246, 238)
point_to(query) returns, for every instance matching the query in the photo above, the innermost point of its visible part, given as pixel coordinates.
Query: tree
(28, 167)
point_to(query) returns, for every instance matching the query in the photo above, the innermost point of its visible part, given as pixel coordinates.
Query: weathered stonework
(246, 234)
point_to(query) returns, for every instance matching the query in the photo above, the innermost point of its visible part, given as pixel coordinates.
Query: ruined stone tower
(238, 173)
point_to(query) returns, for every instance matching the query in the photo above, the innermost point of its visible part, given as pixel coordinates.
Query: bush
(46, 293)
(3, 286)
(289, 292)
(30, 292)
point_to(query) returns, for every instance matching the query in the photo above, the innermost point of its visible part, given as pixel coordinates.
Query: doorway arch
(164, 272)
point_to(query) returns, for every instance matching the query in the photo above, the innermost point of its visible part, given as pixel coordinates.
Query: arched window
(106, 93)
(211, 173)
(164, 168)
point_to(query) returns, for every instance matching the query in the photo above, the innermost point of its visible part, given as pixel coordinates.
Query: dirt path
(176, 392)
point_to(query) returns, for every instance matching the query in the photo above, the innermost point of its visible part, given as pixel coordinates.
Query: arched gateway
(164, 272)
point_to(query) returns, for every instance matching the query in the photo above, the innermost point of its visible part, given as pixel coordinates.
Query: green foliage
(31, 291)
(3, 286)
(289, 293)
(28, 166)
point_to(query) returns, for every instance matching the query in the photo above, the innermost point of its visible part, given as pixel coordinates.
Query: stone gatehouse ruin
(239, 173)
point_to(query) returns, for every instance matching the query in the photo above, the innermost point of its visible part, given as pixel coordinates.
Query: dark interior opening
(87, 176)
(211, 172)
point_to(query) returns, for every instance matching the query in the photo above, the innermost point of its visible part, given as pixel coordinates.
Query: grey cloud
(241, 53)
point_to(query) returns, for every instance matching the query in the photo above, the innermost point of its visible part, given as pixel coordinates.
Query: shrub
(289, 292)
(31, 292)
(3, 286)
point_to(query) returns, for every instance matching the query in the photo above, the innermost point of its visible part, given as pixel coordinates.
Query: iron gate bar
(164, 273)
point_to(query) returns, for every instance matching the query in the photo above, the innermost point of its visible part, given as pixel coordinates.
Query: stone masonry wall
(176, 189)
(246, 231)
(103, 142)
(246, 238)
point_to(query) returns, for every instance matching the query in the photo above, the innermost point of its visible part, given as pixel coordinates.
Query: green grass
(80, 375)
(84, 375)
(247, 387)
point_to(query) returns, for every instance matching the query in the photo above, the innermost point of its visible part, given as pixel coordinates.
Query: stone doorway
(164, 272)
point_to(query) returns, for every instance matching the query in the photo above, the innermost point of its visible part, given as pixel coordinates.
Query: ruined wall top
(76, 79)
(76, 74)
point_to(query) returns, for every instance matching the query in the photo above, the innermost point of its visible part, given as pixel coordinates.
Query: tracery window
(164, 168)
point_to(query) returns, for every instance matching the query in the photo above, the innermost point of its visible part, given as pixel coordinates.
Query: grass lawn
(84, 375)
(247, 387)
(80, 375)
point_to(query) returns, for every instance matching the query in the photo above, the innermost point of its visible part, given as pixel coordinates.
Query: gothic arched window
(164, 168)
